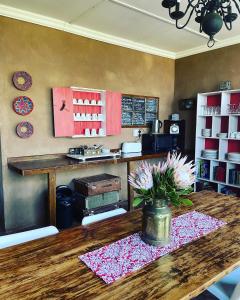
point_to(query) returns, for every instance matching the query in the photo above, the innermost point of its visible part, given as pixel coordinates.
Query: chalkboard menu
(139, 111)
(126, 117)
(150, 117)
(138, 104)
(152, 105)
(138, 118)
(127, 104)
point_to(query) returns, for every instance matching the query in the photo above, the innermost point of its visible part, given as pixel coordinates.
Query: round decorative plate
(22, 105)
(24, 130)
(22, 80)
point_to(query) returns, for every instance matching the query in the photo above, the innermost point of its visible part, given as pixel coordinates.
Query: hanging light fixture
(210, 14)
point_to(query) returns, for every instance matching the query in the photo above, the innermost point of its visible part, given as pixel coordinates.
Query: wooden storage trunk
(98, 210)
(98, 184)
(89, 202)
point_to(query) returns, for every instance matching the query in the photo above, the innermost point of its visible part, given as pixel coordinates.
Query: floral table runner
(127, 255)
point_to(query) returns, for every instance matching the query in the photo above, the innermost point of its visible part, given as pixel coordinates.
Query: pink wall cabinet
(81, 112)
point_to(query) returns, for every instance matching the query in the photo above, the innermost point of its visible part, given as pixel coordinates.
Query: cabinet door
(113, 113)
(63, 112)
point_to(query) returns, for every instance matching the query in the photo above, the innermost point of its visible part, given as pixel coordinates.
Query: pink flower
(142, 178)
(184, 178)
(161, 167)
(183, 172)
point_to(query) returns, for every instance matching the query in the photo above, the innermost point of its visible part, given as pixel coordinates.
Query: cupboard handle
(63, 105)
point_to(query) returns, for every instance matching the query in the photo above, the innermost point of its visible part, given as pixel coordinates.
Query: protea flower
(184, 176)
(161, 167)
(170, 179)
(142, 178)
(183, 173)
(173, 160)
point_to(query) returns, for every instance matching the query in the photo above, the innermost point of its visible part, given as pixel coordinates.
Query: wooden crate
(97, 184)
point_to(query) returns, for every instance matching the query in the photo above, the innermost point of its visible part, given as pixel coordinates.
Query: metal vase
(156, 223)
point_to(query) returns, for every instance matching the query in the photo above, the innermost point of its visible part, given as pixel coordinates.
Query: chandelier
(210, 14)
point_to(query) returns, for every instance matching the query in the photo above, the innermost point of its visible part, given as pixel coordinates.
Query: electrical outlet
(137, 132)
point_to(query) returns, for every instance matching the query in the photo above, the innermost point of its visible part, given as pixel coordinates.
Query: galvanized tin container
(156, 223)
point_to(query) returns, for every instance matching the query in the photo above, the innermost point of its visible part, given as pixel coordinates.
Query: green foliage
(137, 201)
(186, 201)
(164, 187)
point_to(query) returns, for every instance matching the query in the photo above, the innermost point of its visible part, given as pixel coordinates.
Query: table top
(49, 268)
(30, 165)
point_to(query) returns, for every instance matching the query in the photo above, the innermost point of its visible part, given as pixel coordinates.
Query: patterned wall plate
(22, 80)
(22, 105)
(24, 130)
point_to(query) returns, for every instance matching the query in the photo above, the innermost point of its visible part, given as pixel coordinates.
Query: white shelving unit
(224, 119)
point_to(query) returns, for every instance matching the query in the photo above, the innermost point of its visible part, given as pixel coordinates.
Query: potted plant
(157, 186)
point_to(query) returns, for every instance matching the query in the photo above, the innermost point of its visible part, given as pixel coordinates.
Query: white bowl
(222, 134)
(210, 150)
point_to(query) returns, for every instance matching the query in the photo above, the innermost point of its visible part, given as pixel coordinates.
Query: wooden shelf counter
(53, 163)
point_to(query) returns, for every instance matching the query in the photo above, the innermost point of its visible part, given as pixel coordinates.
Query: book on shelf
(204, 169)
(234, 176)
(219, 173)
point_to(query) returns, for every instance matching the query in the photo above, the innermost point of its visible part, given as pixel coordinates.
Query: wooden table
(49, 268)
(51, 164)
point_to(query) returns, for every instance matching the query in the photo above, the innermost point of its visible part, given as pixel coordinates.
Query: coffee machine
(177, 129)
(173, 137)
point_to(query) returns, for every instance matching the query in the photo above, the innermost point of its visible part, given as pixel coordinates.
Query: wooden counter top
(30, 165)
(49, 268)
(53, 163)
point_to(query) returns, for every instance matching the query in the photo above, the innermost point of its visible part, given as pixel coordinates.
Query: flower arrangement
(171, 180)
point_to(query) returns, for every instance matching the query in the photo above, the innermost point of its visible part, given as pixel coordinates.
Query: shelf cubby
(80, 126)
(214, 100)
(223, 149)
(224, 124)
(203, 123)
(233, 145)
(200, 142)
(228, 190)
(234, 124)
(218, 171)
(203, 168)
(233, 174)
(229, 97)
(208, 99)
(235, 97)
(220, 125)
(203, 184)
(211, 144)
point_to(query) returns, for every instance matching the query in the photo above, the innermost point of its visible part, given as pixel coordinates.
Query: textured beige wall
(202, 73)
(56, 58)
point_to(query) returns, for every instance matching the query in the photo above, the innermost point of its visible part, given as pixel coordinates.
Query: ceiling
(137, 24)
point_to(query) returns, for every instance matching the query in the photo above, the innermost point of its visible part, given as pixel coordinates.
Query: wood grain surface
(49, 268)
(45, 163)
